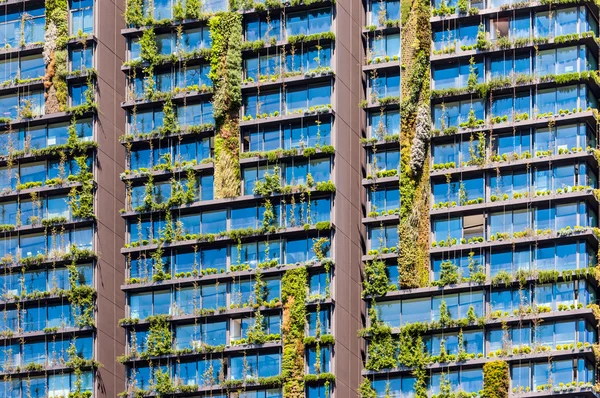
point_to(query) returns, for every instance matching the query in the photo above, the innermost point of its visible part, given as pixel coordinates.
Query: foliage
(320, 247)
(134, 13)
(192, 9)
(366, 390)
(226, 74)
(422, 133)
(81, 298)
(56, 37)
(376, 281)
(413, 229)
(81, 199)
(293, 294)
(159, 340)
(496, 380)
(270, 185)
(448, 274)
(382, 348)
(164, 385)
(256, 333)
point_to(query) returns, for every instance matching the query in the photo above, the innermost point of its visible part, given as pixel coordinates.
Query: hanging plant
(81, 199)
(159, 340)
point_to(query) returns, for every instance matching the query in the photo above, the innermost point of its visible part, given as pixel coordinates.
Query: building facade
(242, 140)
(501, 299)
(317, 198)
(58, 160)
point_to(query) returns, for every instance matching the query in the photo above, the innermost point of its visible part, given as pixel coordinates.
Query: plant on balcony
(159, 340)
(382, 348)
(449, 274)
(81, 199)
(482, 41)
(366, 390)
(81, 298)
(376, 281)
(496, 379)
(134, 15)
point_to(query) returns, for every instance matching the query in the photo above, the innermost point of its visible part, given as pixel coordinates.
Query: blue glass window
(318, 391)
(261, 67)
(143, 305)
(308, 22)
(384, 160)
(31, 67)
(77, 94)
(381, 11)
(194, 77)
(213, 6)
(262, 28)
(81, 58)
(321, 366)
(265, 103)
(384, 123)
(299, 251)
(456, 74)
(383, 237)
(308, 58)
(195, 114)
(318, 320)
(319, 169)
(194, 39)
(253, 174)
(82, 16)
(385, 45)
(145, 122)
(385, 85)
(255, 365)
(30, 22)
(303, 97)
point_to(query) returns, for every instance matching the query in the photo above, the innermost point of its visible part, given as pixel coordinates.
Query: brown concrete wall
(110, 53)
(347, 174)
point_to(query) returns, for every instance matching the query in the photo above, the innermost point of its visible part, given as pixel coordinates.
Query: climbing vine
(293, 292)
(81, 198)
(81, 298)
(226, 74)
(55, 55)
(159, 340)
(382, 348)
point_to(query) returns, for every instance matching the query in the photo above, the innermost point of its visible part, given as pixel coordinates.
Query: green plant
(382, 349)
(293, 297)
(159, 340)
(376, 281)
(226, 74)
(496, 380)
(81, 199)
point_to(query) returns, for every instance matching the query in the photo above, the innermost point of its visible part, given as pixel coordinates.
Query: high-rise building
(494, 290)
(243, 202)
(318, 199)
(60, 265)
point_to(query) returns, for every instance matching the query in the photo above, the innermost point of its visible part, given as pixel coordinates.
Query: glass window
(82, 16)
